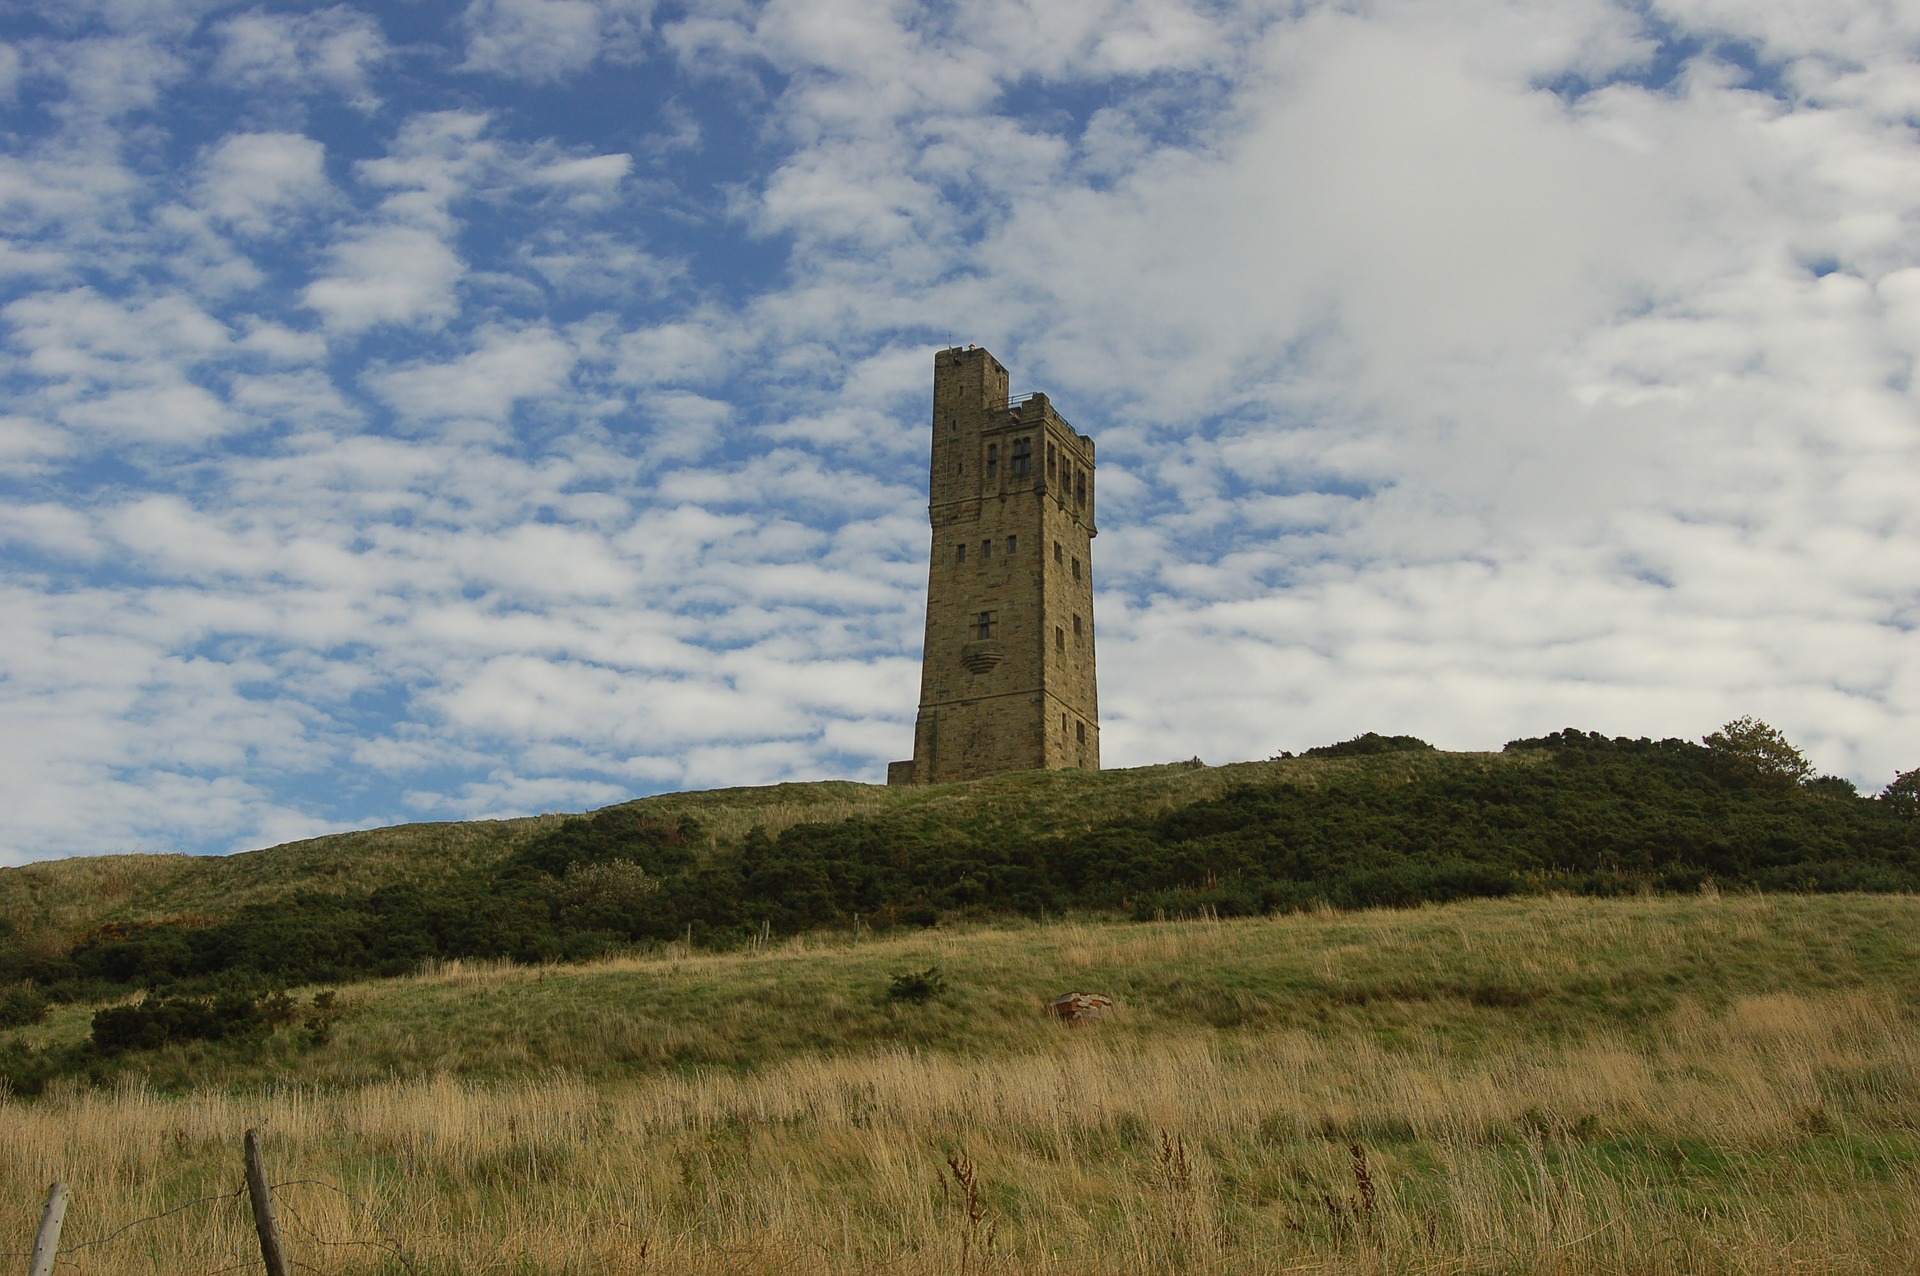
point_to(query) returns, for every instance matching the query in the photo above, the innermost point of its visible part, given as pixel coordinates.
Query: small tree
(1903, 795)
(1757, 752)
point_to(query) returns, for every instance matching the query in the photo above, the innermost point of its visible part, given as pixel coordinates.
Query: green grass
(1479, 975)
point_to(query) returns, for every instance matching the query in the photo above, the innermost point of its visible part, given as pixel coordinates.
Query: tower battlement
(1007, 672)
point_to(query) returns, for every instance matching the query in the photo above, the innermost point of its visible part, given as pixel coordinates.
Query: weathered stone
(1007, 674)
(1080, 1007)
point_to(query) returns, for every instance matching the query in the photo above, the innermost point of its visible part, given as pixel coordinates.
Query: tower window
(986, 549)
(1076, 628)
(1053, 455)
(1076, 569)
(1022, 458)
(1056, 551)
(1079, 487)
(1013, 545)
(1059, 642)
(1080, 730)
(985, 625)
(960, 552)
(993, 461)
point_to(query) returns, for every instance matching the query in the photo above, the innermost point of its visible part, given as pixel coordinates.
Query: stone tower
(1007, 674)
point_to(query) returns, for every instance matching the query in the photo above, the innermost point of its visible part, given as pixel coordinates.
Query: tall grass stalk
(1759, 1132)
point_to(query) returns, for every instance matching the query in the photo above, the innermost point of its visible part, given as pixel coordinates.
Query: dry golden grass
(1766, 1120)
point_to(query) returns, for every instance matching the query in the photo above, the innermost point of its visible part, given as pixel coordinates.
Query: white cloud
(337, 49)
(588, 183)
(9, 72)
(124, 368)
(387, 274)
(257, 182)
(505, 368)
(107, 76)
(26, 445)
(544, 40)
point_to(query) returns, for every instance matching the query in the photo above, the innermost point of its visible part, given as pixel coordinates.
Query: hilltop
(72, 896)
(1373, 821)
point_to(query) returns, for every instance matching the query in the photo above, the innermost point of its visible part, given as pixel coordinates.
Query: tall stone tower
(1007, 675)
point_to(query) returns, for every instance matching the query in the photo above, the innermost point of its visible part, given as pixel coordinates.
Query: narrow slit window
(1076, 628)
(984, 626)
(960, 552)
(1080, 730)
(1059, 639)
(1056, 552)
(1079, 487)
(986, 549)
(1013, 545)
(993, 461)
(1053, 458)
(1076, 569)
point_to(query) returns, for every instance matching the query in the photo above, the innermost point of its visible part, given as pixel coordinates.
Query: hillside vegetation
(1376, 821)
(1706, 1083)
(1583, 1005)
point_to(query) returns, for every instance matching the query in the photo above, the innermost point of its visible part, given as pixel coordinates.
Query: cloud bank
(474, 409)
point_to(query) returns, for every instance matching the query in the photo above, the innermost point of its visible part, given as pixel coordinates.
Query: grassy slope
(64, 897)
(1539, 968)
(1663, 1084)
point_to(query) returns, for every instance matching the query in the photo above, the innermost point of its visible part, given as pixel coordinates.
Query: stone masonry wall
(1007, 675)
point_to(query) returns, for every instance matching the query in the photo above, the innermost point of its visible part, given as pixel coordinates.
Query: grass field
(1698, 1084)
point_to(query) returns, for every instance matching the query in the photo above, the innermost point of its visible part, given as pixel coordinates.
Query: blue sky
(447, 410)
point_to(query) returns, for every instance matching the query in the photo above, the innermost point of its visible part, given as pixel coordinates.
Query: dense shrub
(1370, 743)
(163, 1021)
(1593, 814)
(21, 1005)
(917, 986)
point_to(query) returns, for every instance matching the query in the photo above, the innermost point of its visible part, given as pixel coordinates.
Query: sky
(437, 410)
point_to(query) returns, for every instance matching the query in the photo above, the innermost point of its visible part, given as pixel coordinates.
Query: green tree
(1903, 795)
(1751, 748)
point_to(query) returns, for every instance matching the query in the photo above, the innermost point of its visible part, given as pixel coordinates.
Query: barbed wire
(127, 1227)
(391, 1244)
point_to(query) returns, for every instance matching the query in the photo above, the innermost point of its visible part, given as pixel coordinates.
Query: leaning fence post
(46, 1242)
(262, 1197)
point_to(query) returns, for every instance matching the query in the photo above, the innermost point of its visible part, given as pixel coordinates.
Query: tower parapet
(1007, 679)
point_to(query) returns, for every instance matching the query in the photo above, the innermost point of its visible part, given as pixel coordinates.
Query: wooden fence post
(262, 1197)
(46, 1242)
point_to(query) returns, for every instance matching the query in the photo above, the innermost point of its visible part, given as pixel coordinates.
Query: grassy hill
(1630, 1010)
(1704, 1083)
(1370, 822)
(75, 895)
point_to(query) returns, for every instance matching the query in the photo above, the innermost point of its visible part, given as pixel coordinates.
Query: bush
(322, 1017)
(163, 1021)
(917, 986)
(21, 1005)
(1368, 744)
